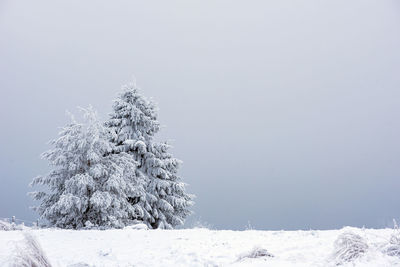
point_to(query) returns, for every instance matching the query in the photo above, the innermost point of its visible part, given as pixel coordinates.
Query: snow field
(195, 247)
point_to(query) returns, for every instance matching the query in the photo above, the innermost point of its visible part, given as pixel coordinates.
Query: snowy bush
(256, 252)
(6, 226)
(348, 247)
(90, 187)
(133, 124)
(393, 248)
(30, 254)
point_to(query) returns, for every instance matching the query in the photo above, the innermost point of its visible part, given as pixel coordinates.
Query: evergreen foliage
(134, 124)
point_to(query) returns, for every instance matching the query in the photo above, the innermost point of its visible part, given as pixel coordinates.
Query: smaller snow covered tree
(170, 203)
(89, 185)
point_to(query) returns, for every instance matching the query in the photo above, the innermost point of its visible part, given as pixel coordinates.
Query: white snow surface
(195, 247)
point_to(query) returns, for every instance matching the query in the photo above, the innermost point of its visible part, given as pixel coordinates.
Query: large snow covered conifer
(133, 124)
(89, 185)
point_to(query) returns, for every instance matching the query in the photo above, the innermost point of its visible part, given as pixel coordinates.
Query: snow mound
(138, 226)
(256, 252)
(348, 247)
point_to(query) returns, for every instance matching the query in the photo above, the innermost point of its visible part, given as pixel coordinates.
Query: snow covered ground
(195, 247)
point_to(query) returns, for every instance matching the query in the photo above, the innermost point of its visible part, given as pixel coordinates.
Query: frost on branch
(29, 253)
(348, 247)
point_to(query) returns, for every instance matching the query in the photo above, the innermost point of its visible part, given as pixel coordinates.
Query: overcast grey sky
(285, 113)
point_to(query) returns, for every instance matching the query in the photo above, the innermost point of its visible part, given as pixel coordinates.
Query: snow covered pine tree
(133, 124)
(89, 186)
